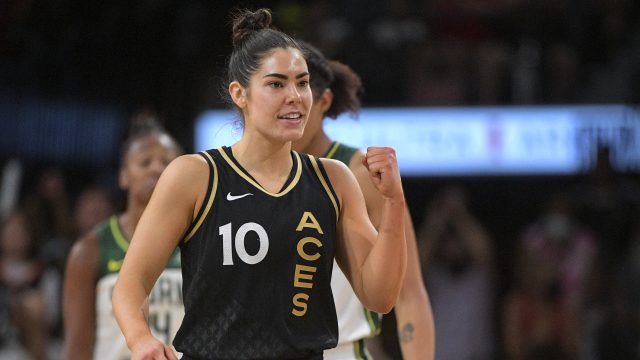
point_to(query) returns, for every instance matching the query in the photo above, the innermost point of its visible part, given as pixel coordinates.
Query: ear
(238, 94)
(325, 100)
(123, 180)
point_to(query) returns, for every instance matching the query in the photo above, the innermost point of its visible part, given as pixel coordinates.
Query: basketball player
(258, 225)
(91, 331)
(336, 90)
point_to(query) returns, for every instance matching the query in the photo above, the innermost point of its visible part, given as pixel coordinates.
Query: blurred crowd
(38, 228)
(167, 53)
(562, 285)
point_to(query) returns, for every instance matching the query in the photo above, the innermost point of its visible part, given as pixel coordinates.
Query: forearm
(414, 316)
(385, 266)
(77, 350)
(416, 333)
(129, 307)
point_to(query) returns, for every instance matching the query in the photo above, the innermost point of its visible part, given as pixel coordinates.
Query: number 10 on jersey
(241, 251)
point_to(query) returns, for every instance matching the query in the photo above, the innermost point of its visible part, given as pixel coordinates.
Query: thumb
(365, 162)
(168, 352)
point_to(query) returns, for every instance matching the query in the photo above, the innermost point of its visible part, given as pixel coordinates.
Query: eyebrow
(285, 77)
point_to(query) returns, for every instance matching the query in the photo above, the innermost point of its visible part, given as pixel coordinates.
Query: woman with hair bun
(259, 225)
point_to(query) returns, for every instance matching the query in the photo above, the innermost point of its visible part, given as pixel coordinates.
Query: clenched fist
(383, 170)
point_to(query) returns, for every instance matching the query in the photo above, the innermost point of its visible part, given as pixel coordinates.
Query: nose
(293, 95)
(157, 166)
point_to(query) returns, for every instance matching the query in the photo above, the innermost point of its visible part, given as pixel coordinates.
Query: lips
(291, 116)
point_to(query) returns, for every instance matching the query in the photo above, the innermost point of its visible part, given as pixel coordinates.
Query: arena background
(72, 73)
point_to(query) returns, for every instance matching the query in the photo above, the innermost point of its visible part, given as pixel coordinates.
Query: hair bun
(143, 122)
(247, 22)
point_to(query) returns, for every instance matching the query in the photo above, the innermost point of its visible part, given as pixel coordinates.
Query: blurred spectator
(554, 260)
(21, 296)
(537, 323)
(10, 186)
(613, 52)
(559, 237)
(399, 27)
(49, 210)
(437, 76)
(607, 200)
(394, 30)
(328, 27)
(615, 319)
(458, 264)
(48, 206)
(547, 67)
(94, 205)
(469, 53)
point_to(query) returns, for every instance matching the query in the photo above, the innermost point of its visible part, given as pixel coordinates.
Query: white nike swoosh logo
(236, 197)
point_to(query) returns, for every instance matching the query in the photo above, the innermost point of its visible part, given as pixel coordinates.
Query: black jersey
(257, 265)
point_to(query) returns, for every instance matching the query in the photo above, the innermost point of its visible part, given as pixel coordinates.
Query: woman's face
(278, 100)
(145, 161)
(16, 241)
(321, 103)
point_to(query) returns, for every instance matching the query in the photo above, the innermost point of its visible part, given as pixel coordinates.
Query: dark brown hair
(336, 76)
(253, 38)
(143, 124)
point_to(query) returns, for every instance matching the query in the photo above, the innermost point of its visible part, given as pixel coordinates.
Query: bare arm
(162, 225)
(79, 299)
(414, 318)
(374, 262)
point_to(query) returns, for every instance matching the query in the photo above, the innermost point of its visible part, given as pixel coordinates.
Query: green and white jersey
(165, 301)
(355, 323)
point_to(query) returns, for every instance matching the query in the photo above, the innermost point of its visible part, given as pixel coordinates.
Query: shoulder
(84, 254)
(355, 164)
(189, 163)
(334, 168)
(186, 169)
(340, 176)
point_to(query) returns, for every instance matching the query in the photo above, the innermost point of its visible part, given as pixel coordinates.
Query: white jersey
(165, 315)
(166, 308)
(355, 323)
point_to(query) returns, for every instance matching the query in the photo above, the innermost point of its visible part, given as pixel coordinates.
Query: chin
(292, 136)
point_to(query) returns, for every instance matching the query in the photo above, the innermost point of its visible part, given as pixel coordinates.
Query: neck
(128, 220)
(256, 156)
(317, 146)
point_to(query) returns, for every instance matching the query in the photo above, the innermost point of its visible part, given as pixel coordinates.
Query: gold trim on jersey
(325, 185)
(254, 183)
(214, 188)
(117, 233)
(332, 150)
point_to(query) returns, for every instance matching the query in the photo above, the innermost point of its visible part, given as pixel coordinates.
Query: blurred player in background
(336, 90)
(91, 330)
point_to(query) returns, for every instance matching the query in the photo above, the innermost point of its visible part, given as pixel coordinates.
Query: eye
(303, 83)
(275, 84)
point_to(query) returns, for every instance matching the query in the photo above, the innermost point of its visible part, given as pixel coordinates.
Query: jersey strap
(208, 198)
